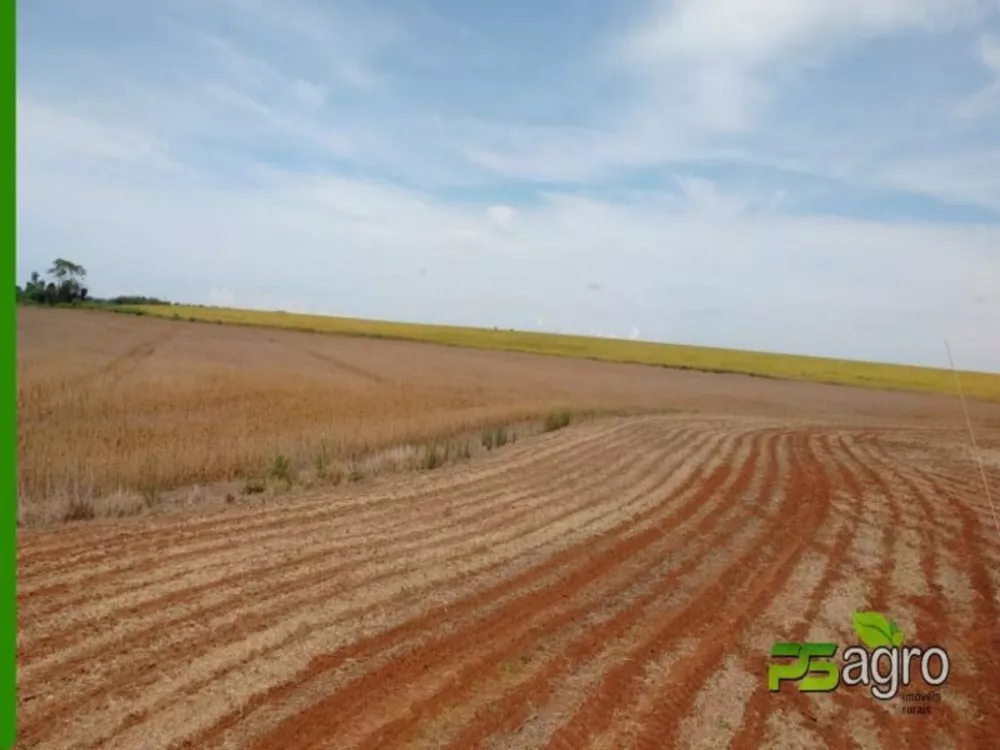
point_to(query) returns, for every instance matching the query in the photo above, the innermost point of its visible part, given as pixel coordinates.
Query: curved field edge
(567, 597)
(402, 460)
(981, 385)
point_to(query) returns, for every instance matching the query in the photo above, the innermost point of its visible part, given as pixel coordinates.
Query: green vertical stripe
(8, 387)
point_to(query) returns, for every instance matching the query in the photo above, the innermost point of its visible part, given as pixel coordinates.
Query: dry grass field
(117, 411)
(614, 584)
(113, 409)
(706, 359)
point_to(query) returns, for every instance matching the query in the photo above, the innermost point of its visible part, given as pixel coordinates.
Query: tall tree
(65, 270)
(65, 284)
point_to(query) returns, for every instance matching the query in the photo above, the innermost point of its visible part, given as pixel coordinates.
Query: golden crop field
(113, 409)
(116, 410)
(559, 592)
(792, 367)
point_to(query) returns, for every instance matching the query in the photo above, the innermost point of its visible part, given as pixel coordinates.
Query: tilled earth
(617, 584)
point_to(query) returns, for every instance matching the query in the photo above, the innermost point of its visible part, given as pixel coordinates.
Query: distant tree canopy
(132, 299)
(64, 285)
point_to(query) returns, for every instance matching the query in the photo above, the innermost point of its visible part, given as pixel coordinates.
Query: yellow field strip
(784, 366)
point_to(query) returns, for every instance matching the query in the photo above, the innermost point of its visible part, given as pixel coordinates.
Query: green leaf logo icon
(875, 631)
(896, 634)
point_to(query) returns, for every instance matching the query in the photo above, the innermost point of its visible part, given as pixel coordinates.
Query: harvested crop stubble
(113, 410)
(616, 584)
(110, 403)
(707, 359)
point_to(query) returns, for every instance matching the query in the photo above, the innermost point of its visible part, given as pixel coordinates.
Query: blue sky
(814, 176)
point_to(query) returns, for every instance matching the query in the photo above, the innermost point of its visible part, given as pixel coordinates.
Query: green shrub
(322, 463)
(281, 469)
(557, 420)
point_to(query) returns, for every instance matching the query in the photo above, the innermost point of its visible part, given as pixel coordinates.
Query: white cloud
(327, 157)
(700, 75)
(244, 68)
(501, 215)
(254, 74)
(341, 37)
(331, 242)
(221, 297)
(736, 40)
(704, 197)
(750, 33)
(309, 93)
(989, 51)
(971, 178)
(55, 134)
(986, 101)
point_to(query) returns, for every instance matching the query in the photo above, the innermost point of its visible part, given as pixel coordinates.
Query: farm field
(708, 359)
(616, 583)
(117, 412)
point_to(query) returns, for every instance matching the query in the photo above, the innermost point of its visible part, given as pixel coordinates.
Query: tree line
(64, 285)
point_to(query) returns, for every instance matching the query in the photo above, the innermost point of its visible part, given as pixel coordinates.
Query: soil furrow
(296, 589)
(399, 533)
(324, 717)
(400, 730)
(235, 625)
(615, 584)
(863, 564)
(324, 684)
(580, 555)
(619, 685)
(804, 506)
(981, 638)
(244, 525)
(800, 600)
(658, 669)
(60, 546)
(192, 698)
(929, 621)
(886, 528)
(725, 527)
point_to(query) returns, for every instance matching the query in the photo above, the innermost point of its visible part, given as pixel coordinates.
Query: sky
(808, 176)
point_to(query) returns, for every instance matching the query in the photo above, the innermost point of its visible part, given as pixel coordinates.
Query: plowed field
(617, 584)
